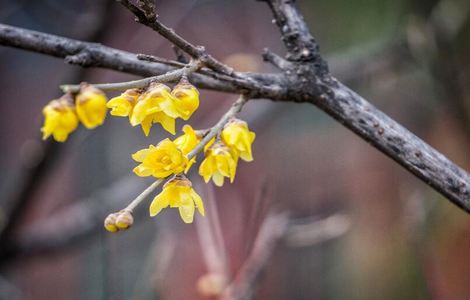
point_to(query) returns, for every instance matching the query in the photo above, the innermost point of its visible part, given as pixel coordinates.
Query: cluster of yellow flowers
(62, 115)
(170, 157)
(157, 104)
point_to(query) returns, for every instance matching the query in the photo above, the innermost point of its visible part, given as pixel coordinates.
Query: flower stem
(143, 195)
(234, 109)
(140, 83)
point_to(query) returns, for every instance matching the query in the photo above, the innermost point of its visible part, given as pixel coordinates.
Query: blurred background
(319, 214)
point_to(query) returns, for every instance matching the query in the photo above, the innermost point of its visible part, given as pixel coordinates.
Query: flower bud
(110, 223)
(60, 118)
(211, 284)
(123, 104)
(124, 219)
(187, 98)
(91, 106)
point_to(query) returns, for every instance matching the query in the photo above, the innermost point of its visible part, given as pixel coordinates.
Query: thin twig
(152, 58)
(234, 109)
(276, 60)
(134, 203)
(149, 18)
(141, 83)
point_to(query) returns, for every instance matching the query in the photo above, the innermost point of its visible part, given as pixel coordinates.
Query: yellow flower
(167, 122)
(91, 106)
(238, 137)
(178, 192)
(156, 105)
(160, 161)
(123, 105)
(59, 118)
(220, 162)
(188, 142)
(187, 99)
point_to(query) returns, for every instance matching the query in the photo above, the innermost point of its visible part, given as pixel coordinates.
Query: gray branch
(96, 55)
(312, 82)
(306, 79)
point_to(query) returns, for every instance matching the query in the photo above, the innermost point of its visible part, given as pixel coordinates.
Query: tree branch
(95, 55)
(147, 16)
(313, 83)
(140, 83)
(300, 44)
(309, 81)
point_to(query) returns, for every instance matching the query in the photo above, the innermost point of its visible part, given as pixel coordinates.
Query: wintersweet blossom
(60, 119)
(178, 192)
(160, 161)
(156, 105)
(187, 99)
(187, 142)
(123, 105)
(220, 162)
(91, 106)
(239, 138)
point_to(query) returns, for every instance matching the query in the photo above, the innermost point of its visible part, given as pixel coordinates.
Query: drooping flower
(178, 192)
(91, 106)
(187, 142)
(156, 105)
(60, 118)
(238, 137)
(123, 105)
(167, 122)
(220, 162)
(187, 98)
(160, 161)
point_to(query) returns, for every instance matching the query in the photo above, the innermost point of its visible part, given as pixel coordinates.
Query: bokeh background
(360, 227)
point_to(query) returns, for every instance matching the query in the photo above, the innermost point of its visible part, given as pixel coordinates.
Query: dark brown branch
(313, 83)
(394, 140)
(300, 44)
(309, 81)
(96, 55)
(147, 16)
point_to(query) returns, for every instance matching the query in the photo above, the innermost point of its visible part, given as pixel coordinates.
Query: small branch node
(276, 60)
